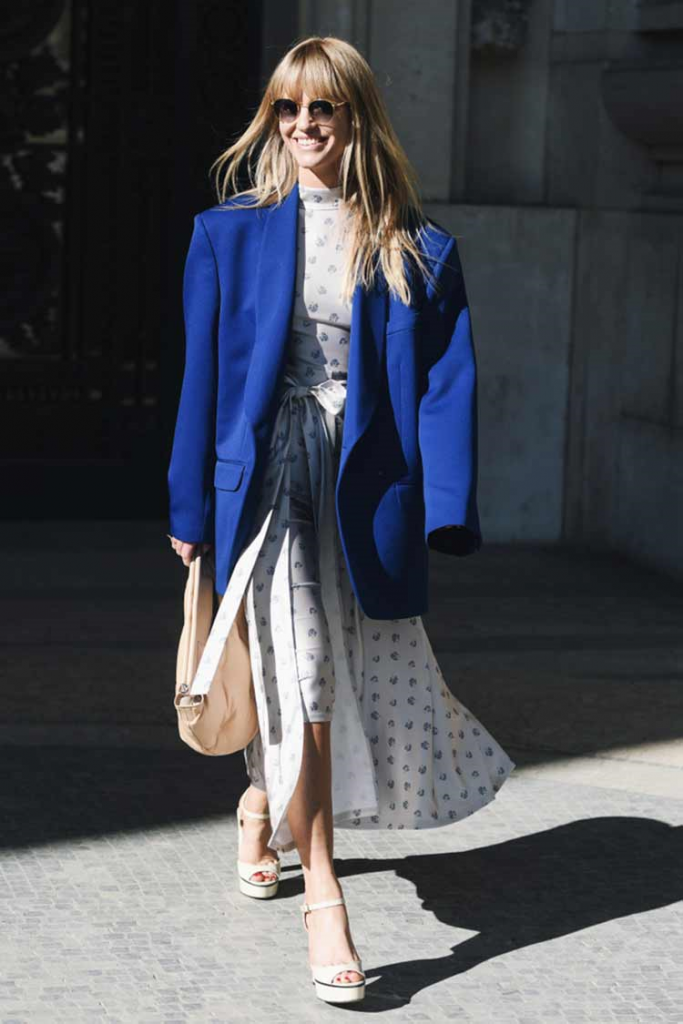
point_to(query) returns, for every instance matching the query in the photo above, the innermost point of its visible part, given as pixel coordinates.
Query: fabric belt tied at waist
(330, 394)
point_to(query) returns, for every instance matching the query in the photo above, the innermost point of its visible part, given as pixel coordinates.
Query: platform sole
(352, 992)
(264, 891)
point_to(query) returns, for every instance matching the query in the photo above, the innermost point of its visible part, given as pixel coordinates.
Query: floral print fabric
(405, 752)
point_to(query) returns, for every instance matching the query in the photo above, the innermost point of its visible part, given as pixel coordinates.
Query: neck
(307, 179)
(319, 188)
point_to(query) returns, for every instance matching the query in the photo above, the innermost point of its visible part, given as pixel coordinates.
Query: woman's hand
(188, 552)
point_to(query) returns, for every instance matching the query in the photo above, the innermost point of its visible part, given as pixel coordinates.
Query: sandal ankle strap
(251, 814)
(307, 907)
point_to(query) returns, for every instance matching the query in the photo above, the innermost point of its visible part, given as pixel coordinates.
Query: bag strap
(227, 611)
(193, 583)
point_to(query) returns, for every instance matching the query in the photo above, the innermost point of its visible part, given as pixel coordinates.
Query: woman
(326, 438)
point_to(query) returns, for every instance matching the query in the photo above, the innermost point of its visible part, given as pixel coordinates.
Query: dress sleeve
(447, 415)
(190, 470)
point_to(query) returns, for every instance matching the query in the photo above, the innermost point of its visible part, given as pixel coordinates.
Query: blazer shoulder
(235, 207)
(234, 218)
(447, 263)
(439, 249)
(437, 241)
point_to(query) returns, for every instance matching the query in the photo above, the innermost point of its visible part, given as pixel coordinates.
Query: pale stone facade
(559, 166)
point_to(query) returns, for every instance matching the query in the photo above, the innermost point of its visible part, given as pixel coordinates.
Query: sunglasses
(321, 111)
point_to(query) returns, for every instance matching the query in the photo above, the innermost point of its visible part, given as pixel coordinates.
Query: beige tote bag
(223, 719)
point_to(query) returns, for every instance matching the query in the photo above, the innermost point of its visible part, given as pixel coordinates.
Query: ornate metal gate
(113, 114)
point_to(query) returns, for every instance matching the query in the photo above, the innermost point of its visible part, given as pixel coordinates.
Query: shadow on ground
(527, 891)
(513, 894)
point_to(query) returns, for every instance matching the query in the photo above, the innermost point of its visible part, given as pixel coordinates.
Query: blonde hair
(379, 185)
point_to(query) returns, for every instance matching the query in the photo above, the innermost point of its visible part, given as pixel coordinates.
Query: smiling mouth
(307, 143)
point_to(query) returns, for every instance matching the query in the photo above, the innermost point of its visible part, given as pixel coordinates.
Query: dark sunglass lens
(285, 109)
(322, 110)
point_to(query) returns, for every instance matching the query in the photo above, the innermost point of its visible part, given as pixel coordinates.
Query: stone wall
(548, 138)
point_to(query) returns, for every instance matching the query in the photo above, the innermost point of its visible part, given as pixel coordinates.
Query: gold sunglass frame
(299, 106)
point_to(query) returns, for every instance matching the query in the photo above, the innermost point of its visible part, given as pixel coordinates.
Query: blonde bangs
(307, 73)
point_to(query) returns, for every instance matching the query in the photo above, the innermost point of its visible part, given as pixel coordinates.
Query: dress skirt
(405, 752)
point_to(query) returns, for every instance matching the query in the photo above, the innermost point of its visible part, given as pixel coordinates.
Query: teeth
(309, 142)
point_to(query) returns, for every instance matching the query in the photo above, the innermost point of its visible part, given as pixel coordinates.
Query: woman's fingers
(186, 550)
(182, 549)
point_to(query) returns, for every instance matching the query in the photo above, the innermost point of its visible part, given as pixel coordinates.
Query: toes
(347, 977)
(264, 876)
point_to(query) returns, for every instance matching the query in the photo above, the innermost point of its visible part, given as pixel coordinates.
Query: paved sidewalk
(560, 901)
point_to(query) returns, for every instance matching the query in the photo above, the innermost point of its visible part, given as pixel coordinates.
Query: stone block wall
(548, 137)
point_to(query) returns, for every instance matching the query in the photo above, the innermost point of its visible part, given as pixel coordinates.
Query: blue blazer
(408, 462)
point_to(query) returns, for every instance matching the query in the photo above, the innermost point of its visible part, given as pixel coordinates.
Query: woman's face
(317, 148)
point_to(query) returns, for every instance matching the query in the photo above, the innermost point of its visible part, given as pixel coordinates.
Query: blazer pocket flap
(228, 475)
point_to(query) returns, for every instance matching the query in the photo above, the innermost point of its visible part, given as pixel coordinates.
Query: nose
(304, 119)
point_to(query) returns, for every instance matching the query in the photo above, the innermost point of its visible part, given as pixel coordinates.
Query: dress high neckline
(320, 197)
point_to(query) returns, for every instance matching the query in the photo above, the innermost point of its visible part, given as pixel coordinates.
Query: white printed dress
(405, 752)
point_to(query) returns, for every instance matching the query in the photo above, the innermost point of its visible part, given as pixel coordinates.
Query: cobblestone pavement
(557, 902)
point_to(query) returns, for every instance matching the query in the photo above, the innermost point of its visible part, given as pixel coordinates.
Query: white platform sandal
(324, 974)
(249, 886)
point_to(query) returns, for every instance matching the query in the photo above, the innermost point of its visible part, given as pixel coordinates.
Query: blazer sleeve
(447, 414)
(190, 470)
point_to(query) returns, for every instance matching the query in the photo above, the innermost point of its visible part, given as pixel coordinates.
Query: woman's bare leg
(310, 820)
(254, 846)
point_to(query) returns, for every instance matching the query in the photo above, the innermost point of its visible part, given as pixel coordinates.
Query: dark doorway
(113, 114)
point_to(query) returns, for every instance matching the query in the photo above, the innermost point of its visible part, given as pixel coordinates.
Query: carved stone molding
(643, 99)
(499, 26)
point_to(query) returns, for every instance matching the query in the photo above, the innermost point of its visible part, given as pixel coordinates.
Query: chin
(312, 160)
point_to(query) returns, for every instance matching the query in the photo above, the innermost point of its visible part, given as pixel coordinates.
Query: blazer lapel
(274, 303)
(274, 291)
(366, 360)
